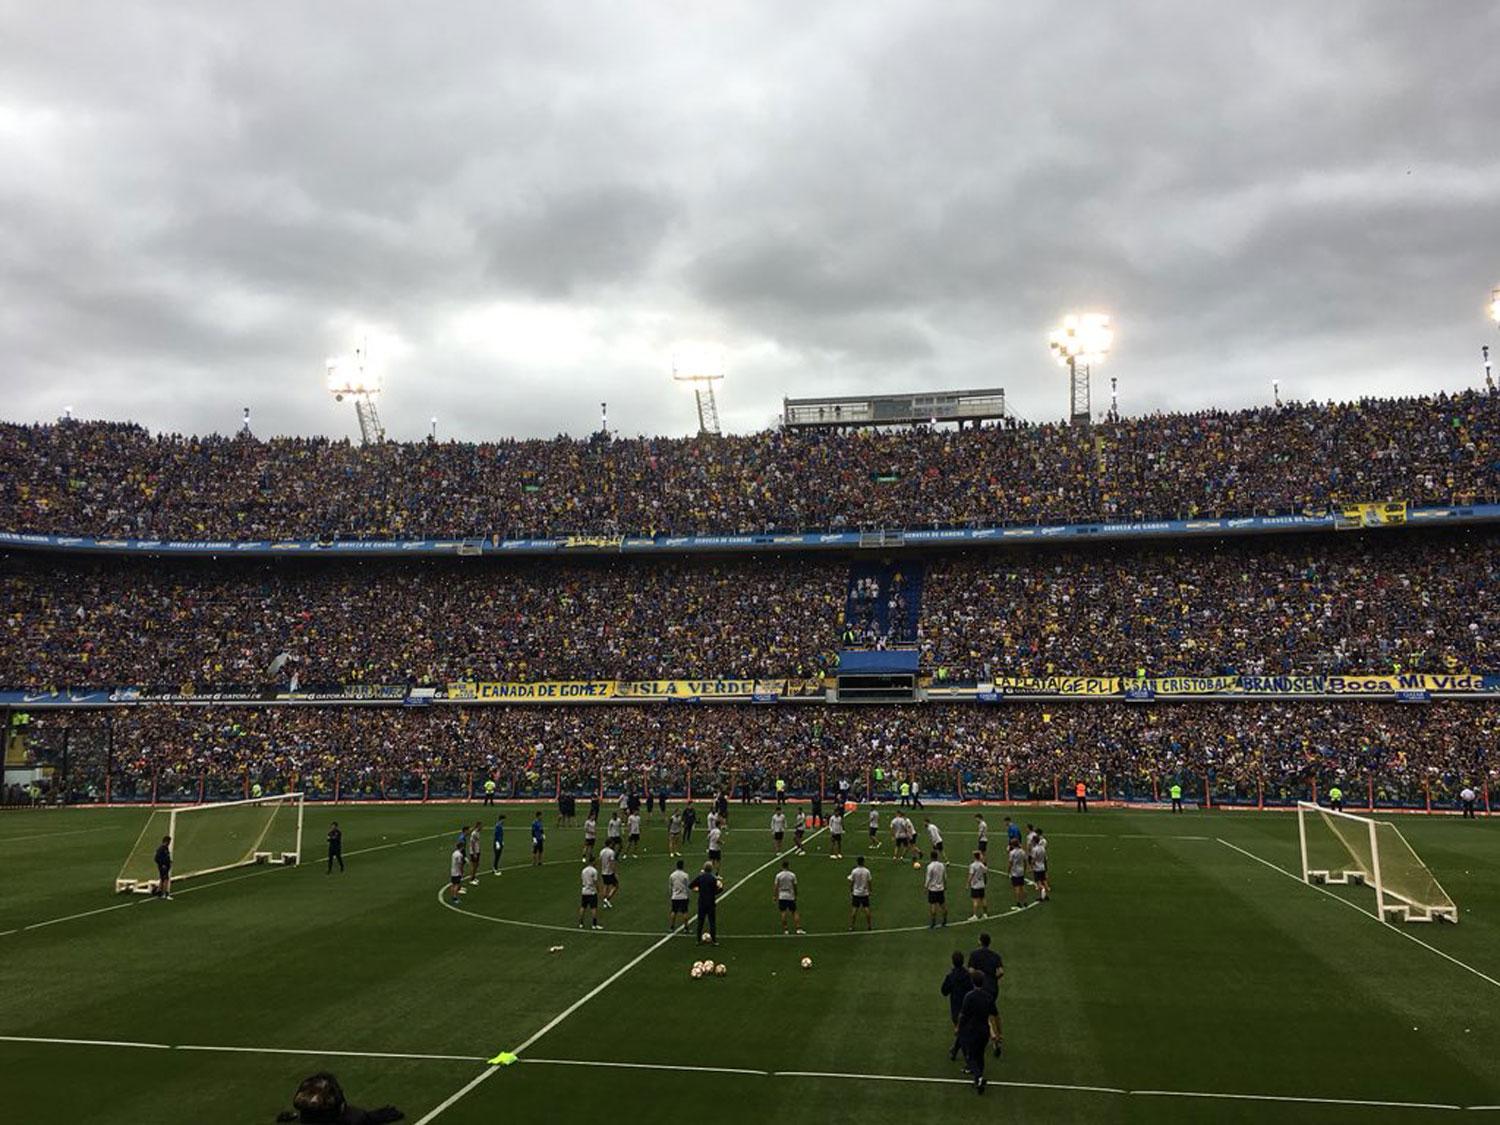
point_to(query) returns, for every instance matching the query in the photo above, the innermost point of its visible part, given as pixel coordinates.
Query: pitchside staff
(335, 847)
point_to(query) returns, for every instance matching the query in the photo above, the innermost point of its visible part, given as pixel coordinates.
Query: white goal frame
(256, 854)
(1387, 901)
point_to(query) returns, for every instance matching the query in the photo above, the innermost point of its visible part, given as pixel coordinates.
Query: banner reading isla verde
(589, 691)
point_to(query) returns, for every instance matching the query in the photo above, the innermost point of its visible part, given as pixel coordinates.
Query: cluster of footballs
(709, 969)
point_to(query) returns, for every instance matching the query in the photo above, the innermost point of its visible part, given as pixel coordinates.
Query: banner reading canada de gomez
(604, 691)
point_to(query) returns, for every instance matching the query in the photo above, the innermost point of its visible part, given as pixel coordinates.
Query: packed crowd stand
(116, 479)
(220, 625)
(1366, 603)
(1240, 754)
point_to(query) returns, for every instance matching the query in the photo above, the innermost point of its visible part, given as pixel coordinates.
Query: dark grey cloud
(527, 206)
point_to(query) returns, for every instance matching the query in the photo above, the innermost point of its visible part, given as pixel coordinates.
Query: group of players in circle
(599, 878)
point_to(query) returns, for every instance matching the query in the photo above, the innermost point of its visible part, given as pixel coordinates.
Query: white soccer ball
(706, 938)
(720, 969)
(708, 966)
(696, 971)
(807, 962)
(697, 966)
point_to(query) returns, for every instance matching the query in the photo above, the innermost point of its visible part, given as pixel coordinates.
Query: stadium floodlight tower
(700, 369)
(1081, 341)
(353, 377)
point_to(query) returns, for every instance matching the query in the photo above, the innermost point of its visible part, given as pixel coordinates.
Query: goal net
(1339, 847)
(209, 838)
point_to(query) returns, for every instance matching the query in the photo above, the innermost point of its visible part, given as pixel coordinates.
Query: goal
(1339, 847)
(216, 837)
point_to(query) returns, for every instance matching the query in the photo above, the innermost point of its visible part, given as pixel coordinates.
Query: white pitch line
(675, 1068)
(1292, 1098)
(484, 1075)
(142, 901)
(85, 1042)
(52, 835)
(945, 1081)
(1367, 913)
(649, 1066)
(331, 1054)
(233, 1050)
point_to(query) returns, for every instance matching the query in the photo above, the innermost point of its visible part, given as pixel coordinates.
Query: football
(696, 971)
(720, 969)
(807, 962)
(706, 938)
(708, 966)
(916, 863)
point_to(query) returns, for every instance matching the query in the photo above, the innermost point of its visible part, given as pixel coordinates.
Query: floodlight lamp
(349, 376)
(1083, 338)
(696, 361)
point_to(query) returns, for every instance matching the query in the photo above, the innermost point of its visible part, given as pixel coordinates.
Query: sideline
(1364, 1103)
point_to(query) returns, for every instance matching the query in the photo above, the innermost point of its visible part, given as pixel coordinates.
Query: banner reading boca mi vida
(1218, 687)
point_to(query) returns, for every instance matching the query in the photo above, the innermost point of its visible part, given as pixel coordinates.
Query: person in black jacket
(321, 1099)
(956, 985)
(164, 868)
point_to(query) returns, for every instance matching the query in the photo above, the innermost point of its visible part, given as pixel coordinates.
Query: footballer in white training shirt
(677, 897)
(936, 881)
(608, 873)
(860, 881)
(978, 877)
(785, 885)
(588, 901)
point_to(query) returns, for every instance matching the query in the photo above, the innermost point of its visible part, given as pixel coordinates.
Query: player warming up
(979, 876)
(538, 840)
(708, 885)
(836, 836)
(936, 881)
(677, 897)
(456, 873)
(785, 883)
(588, 901)
(860, 883)
(610, 876)
(1017, 860)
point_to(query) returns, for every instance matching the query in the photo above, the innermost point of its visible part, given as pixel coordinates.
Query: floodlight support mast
(1082, 340)
(1079, 397)
(703, 393)
(363, 389)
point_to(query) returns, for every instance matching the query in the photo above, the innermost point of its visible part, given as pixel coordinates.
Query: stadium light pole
(432, 427)
(1082, 340)
(1276, 391)
(1489, 379)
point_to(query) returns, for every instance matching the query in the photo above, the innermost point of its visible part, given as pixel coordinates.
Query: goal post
(1339, 847)
(215, 837)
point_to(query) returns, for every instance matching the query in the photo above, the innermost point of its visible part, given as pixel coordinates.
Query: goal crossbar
(215, 837)
(1341, 848)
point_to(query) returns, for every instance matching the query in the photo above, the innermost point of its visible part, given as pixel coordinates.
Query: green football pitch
(1180, 973)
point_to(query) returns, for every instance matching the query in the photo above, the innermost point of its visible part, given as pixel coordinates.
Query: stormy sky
(527, 208)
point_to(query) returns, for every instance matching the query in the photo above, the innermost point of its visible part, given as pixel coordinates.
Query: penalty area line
(1367, 913)
(139, 900)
